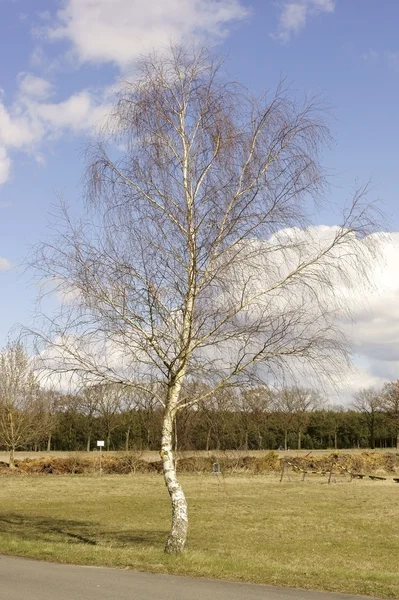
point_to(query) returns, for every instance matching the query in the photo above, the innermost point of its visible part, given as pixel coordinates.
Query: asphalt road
(31, 580)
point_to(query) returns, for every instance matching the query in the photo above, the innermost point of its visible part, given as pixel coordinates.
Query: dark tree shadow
(35, 528)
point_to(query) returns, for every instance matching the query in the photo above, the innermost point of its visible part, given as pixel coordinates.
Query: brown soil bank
(128, 463)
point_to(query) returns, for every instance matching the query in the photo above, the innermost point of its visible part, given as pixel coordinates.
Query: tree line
(234, 418)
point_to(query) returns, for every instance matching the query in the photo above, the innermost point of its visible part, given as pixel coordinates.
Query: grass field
(342, 537)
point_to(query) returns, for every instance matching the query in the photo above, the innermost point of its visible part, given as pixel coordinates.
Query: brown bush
(130, 463)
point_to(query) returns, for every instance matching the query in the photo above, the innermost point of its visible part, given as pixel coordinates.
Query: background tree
(253, 405)
(306, 401)
(22, 418)
(325, 425)
(293, 406)
(51, 401)
(86, 404)
(148, 402)
(195, 261)
(390, 404)
(284, 407)
(129, 417)
(369, 403)
(108, 399)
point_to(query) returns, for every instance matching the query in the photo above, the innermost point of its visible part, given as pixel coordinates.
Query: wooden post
(282, 470)
(331, 471)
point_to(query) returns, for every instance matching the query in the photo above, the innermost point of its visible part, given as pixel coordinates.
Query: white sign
(100, 443)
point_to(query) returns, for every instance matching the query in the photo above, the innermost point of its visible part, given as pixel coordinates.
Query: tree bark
(178, 533)
(127, 436)
(49, 443)
(208, 439)
(299, 440)
(372, 435)
(285, 440)
(88, 443)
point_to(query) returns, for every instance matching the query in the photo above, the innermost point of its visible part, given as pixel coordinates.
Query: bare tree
(86, 403)
(390, 404)
(216, 409)
(52, 401)
(107, 398)
(195, 261)
(301, 402)
(22, 420)
(147, 403)
(369, 402)
(254, 404)
(282, 404)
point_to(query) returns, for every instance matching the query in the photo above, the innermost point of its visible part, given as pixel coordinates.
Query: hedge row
(133, 463)
(366, 463)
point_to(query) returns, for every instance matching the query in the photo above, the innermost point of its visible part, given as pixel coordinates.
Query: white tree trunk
(178, 533)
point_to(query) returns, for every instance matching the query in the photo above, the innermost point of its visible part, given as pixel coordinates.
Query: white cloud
(77, 113)
(5, 264)
(15, 129)
(375, 332)
(32, 118)
(295, 15)
(34, 87)
(101, 31)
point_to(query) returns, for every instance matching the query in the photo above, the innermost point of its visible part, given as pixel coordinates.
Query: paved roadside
(32, 580)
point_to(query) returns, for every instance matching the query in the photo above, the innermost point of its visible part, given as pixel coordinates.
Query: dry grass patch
(343, 537)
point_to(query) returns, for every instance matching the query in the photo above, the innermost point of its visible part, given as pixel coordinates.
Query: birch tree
(196, 260)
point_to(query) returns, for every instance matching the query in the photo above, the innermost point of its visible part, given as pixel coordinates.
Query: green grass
(339, 537)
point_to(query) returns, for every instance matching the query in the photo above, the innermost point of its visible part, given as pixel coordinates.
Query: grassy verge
(341, 537)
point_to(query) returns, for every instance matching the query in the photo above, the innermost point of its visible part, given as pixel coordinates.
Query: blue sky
(59, 59)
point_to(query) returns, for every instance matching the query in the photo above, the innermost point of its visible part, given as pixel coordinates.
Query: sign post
(100, 444)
